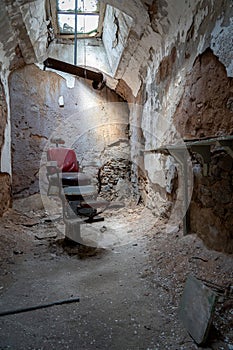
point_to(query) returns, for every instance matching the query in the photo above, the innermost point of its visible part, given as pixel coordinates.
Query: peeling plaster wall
(5, 193)
(176, 52)
(6, 38)
(5, 179)
(115, 34)
(28, 28)
(3, 116)
(160, 65)
(190, 25)
(220, 43)
(90, 122)
(33, 17)
(128, 68)
(206, 110)
(5, 147)
(23, 37)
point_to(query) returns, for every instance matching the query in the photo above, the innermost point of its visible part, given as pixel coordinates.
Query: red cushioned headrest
(65, 158)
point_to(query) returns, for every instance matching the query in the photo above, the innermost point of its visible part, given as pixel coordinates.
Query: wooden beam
(96, 77)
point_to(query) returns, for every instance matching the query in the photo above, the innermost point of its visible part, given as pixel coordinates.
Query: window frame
(96, 34)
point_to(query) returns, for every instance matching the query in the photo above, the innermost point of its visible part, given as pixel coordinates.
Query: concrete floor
(128, 296)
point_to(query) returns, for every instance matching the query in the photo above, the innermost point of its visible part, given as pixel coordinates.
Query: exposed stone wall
(23, 37)
(205, 110)
(175, 61)
(206, 106)
(212, 204)
(184, 77)
(5, 192)
(90, 122)
(114, 179)
(5, 180)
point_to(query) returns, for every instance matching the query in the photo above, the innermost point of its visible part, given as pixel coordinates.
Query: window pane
(66, 23)
(85, 23)
(90, 5)
(83, 5)
(66, 5)
(90, 23)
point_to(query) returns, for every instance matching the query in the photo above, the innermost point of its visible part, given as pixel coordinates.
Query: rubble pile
(114, 179)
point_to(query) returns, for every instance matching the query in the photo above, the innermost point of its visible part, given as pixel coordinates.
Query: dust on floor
(129, 293)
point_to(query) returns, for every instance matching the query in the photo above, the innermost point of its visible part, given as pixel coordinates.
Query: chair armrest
(53, 170)
(52, 163)
(52, 167)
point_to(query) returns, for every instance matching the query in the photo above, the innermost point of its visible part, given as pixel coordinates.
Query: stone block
(196, 309)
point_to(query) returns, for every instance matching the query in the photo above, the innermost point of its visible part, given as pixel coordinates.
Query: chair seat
(83, 191)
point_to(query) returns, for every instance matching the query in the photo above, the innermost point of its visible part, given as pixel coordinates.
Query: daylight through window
(87, 17)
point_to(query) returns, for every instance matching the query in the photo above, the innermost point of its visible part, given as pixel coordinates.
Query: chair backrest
(65, 158)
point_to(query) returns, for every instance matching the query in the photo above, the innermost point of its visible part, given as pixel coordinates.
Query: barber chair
(76, 189)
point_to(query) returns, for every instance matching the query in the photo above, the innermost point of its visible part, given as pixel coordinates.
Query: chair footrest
(94, 204)
(116, 205)
(101, 204)
(94, 219)
(82, 220)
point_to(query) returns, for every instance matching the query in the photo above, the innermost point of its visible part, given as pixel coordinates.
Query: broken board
(196, 308)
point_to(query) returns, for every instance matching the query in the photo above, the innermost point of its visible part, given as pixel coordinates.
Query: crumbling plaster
(23, 37)
(187, 26)
(23, 23)
(34, 20)
(156, 65)
(193, 26)
(115, 35)
(221, 43)
(164, 71)
(164, 39)
(5, 154)
(6, 51)
(90, 121)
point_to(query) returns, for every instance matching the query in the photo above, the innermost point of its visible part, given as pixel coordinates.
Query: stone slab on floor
(196, 308)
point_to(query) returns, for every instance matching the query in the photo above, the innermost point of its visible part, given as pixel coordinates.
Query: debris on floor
(130, 293)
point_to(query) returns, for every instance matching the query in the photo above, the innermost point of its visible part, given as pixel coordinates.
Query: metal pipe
(95, 76)
(75, 32)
